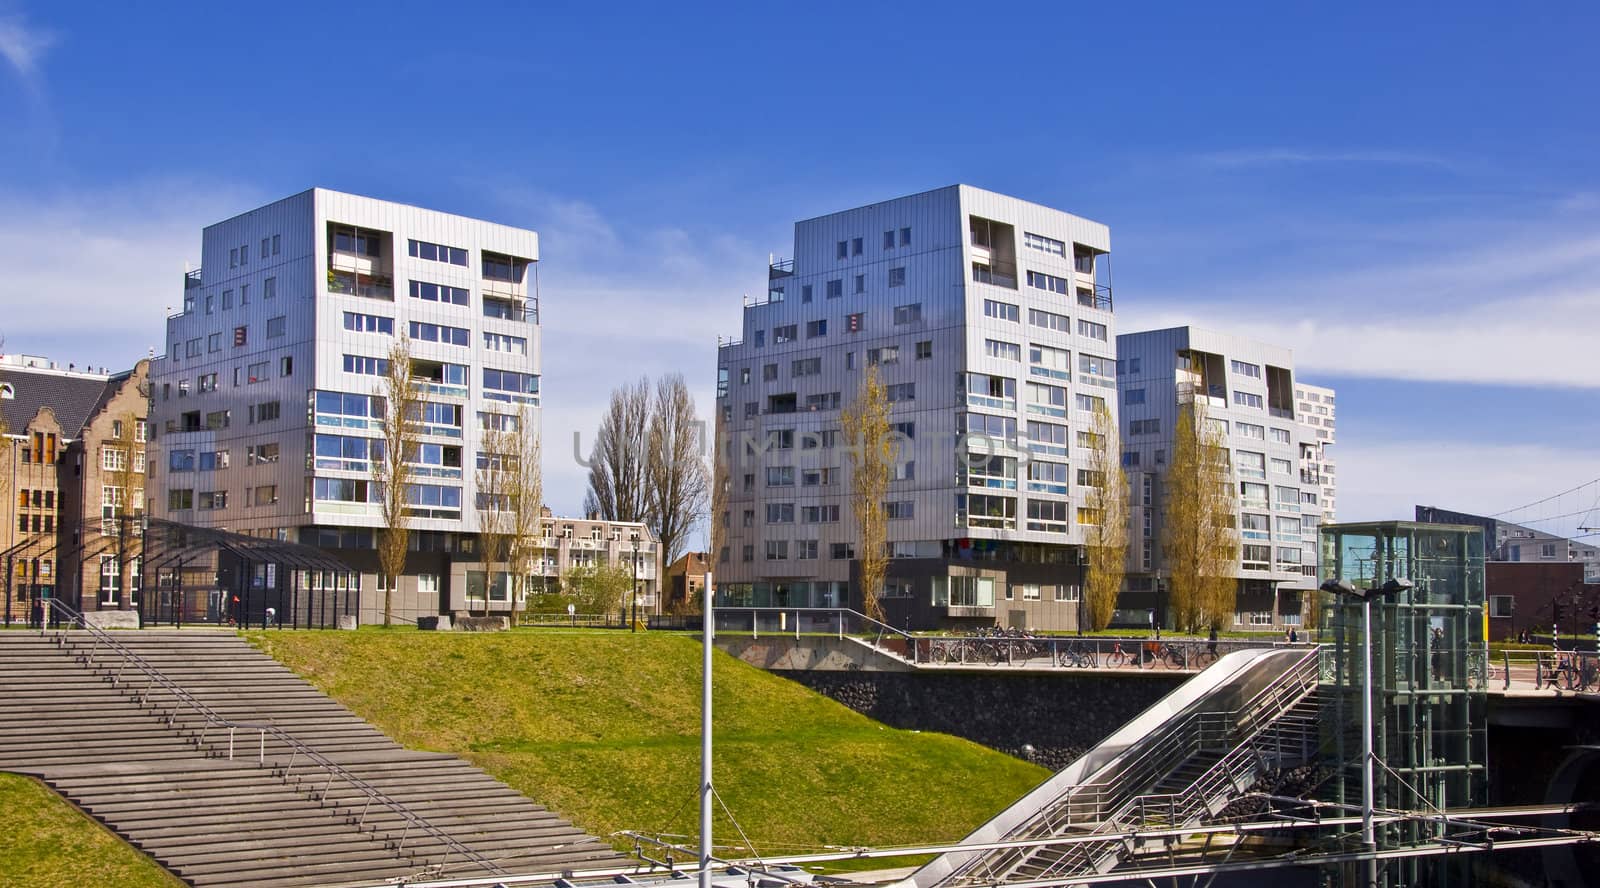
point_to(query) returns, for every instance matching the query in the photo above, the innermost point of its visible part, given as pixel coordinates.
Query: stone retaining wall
(1060, 714)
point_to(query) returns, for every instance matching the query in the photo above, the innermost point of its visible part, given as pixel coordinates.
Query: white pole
(1367, 838)
(707, 630)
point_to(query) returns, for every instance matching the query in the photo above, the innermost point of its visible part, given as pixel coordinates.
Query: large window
(1053, 363)
(1041, 281)
(1246, 369)
(425, 332)
(1006, 351)
(507, 385)
(963, 592)
(1050, 320)
(347, 452)
(366, 366)
(1050, 400)
(1047, 477)
(438, 253)
(1048, 516)
(1047, 438)
(986, 510)
(999, 430)
(1044, 244)
(366, 323)
(996, 392)
(349, 411)
(1003, 311)
(439, 293)
(995, 471)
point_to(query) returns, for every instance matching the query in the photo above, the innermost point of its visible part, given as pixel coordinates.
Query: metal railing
(797, 621)
(1099, 297)
(1116, 798)
(214, 720)
(1085, 652)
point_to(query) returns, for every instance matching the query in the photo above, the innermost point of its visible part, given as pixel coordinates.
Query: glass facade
(1429, 653)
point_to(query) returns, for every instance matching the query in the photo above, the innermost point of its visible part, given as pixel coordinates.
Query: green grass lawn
(44, 841)
(603, 727)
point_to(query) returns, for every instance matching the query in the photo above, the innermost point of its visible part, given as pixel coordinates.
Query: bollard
(1506, 656)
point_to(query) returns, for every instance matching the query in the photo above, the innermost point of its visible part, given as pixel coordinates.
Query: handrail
(1110, 802)
(1181, 805)
(755, 613)
(213, 718)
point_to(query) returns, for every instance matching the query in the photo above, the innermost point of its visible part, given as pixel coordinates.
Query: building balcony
(367, 286)
(439, 388)
(1097, 298)
(191, 279)
(780, 268)
(511, 309)
(995, 276)
(1280, 412)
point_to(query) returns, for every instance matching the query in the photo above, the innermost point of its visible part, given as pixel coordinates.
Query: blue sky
(1409, 197)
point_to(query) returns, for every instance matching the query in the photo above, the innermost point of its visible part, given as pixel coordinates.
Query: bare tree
(676, 477)
(867, 429)
(1199, 548)
(1106, 539)
(496, 480)
(618, 465)
(527, 503)
(391, 471)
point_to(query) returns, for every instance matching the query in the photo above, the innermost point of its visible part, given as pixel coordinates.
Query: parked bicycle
(1076, 653)
(1118, 657)
(1481, 670)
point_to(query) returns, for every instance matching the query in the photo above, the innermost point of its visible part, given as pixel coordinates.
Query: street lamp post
(1369, 840)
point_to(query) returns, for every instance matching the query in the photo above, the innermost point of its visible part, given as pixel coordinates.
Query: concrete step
(108, 747)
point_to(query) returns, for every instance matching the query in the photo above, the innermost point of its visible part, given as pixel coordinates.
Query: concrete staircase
(130, 754)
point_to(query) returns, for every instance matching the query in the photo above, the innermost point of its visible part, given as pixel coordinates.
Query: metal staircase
(1183, 760)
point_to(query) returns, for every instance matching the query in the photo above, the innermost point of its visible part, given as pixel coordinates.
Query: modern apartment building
(74, 470)
(1246, 390)
(990, 321)
(268, 407)
(1314, 407)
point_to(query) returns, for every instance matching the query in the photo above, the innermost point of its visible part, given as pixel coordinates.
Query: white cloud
(1385, 480)
(1536, 343)
(88, 275)
(618, 303)
(23, 46)
(1254, 157)
(1498, 310)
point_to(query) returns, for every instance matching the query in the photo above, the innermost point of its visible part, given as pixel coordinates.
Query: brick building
(685, 581)
(1527, 595)
(72, 466)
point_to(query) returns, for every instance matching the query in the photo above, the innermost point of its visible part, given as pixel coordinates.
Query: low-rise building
(566, 543)
(685, 582)
(73, 465)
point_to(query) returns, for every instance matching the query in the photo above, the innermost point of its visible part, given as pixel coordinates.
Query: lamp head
(1339, 587)
(1396, 584)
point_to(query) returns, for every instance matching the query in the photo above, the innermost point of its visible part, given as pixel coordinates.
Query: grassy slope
(603, 727)
(44, 841)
